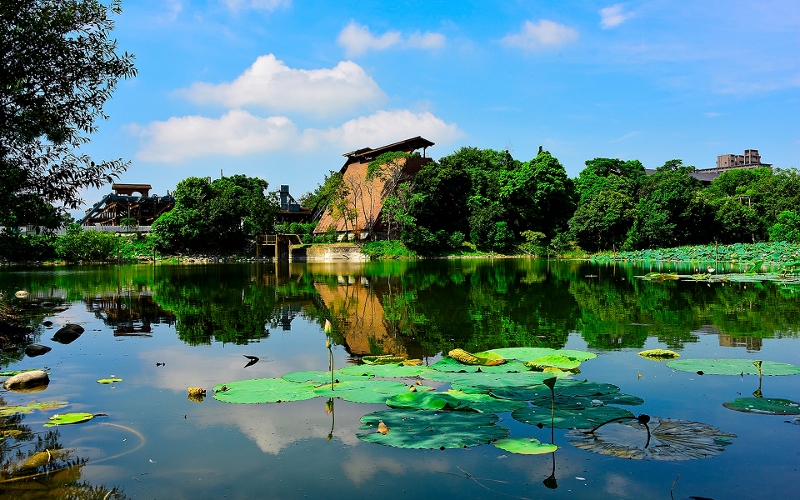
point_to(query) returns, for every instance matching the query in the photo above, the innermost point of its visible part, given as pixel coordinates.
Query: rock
(26, 380)
(47, 323)
(68, 334)
(21, 294)
(58, 309)
(33, 350)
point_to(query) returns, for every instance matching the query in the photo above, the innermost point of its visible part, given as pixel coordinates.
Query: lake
(163, 329)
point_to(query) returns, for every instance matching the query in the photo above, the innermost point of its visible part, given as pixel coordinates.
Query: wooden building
(128, 201)
(366, 195)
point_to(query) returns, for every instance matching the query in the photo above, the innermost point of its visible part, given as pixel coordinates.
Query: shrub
(16, 247)
(79, 245)
(786, 228)
(456, 239)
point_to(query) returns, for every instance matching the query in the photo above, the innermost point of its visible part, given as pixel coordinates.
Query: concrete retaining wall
(327, 253)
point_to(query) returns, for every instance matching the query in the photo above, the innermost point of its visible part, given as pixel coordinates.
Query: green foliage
(19, 248)
(387, 250)
(220, 216)
(733, 367)
(79, 245)
(604, 220)
(786, 228)
(502, 237)
(60, 66)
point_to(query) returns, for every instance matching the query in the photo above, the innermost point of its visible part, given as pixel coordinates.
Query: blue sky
(279, 89)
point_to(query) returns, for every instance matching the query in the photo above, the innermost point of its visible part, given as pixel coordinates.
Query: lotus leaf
(431, 429)
(318, 378)
(659, 354)
(564, 388)
(484, 403)
(732, 367)
(423, 401)
(486, 358)
(531, 353)
(363, 391)
(109, 380)
(669, 440)
(567, 402)
(263, 390)
(68, 418)
(385, 359)
(451, 365)
(484, 382)
(558, 361)
(765, 406)
(11, 373)
(525, 446)
(386, 371)
(569, 419)
(7, 411)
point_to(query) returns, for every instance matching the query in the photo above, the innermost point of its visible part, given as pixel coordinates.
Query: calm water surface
(167, 328)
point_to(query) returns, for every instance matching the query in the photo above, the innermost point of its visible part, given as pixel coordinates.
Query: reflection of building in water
(725, 340)
(287, 314)
(360, 317)
(749, 343)
(131, 314)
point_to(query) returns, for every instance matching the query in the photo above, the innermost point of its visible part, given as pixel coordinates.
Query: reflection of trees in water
(36, 465)
(130, 312)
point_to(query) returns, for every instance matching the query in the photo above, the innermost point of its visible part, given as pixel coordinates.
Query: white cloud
(544, 34)
(273, 85)
(238, 133)
(357, 39)
(426, 40)
(268, 5)
(626, 136)
(235, 133)
(611, 17)
(384, 127)
(172, 8)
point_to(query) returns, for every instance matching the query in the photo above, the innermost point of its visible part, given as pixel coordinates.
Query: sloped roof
(408, 145)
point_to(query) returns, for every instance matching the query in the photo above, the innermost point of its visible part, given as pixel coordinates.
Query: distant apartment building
(750, 159)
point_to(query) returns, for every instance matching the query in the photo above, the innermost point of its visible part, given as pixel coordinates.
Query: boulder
(27, 380)
(68, 334)
(34, 350)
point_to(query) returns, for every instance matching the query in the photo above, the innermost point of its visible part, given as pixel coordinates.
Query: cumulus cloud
(541, 35)
(384, 127)
(357, 39)
(239, 133)
(235, 133)
(268, 5)
(613, 16)
(271, 84)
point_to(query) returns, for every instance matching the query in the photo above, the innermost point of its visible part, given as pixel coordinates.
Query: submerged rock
(68, 334)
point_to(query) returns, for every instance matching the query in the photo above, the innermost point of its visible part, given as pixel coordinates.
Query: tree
(58, 66)
(787, 228)
(217, 216)
(604, 221)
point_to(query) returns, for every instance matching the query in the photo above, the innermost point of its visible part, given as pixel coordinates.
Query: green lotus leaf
(565, 402)
(448, 364)
(765, 406)
(68, 418)
(363, 391)
(484, 403)
(318, 378)
(659, 354)
(525, 446)
(11, 373)
(7, 411)
(569, 419)
(384, 359)
(431, 429)
(669, 440)
(109, 380)
(531, 353)
(559, 361)
(263, 390)
(732, 367)
(385, 371)
(564, 388)
(422, 401)
(484, 382)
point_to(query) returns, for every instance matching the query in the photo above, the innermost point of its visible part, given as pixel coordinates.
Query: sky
(280, 89)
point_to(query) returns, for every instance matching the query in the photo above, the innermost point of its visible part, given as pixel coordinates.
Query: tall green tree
(218, 216)
(58, 67)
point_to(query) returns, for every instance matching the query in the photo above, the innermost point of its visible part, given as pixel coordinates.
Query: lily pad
(565, 402)
(486, 358)
(558, 361)
(431, 429)
(659, 354)
(669, 440)
(764, 406)
(385, 371)
(569, 419)
(564, 388)
(531, 353)
(385, 359)
(484, 382)
(732, 367)
(263, 390)
(7, 411)
(448, 364)
(68, 418)
(363, 391)
(525, 446)
(318, 378)
(453, 400)
(109, 380)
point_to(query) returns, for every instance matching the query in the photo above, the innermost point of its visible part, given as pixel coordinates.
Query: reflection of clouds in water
(271, 426)
(363, 467)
